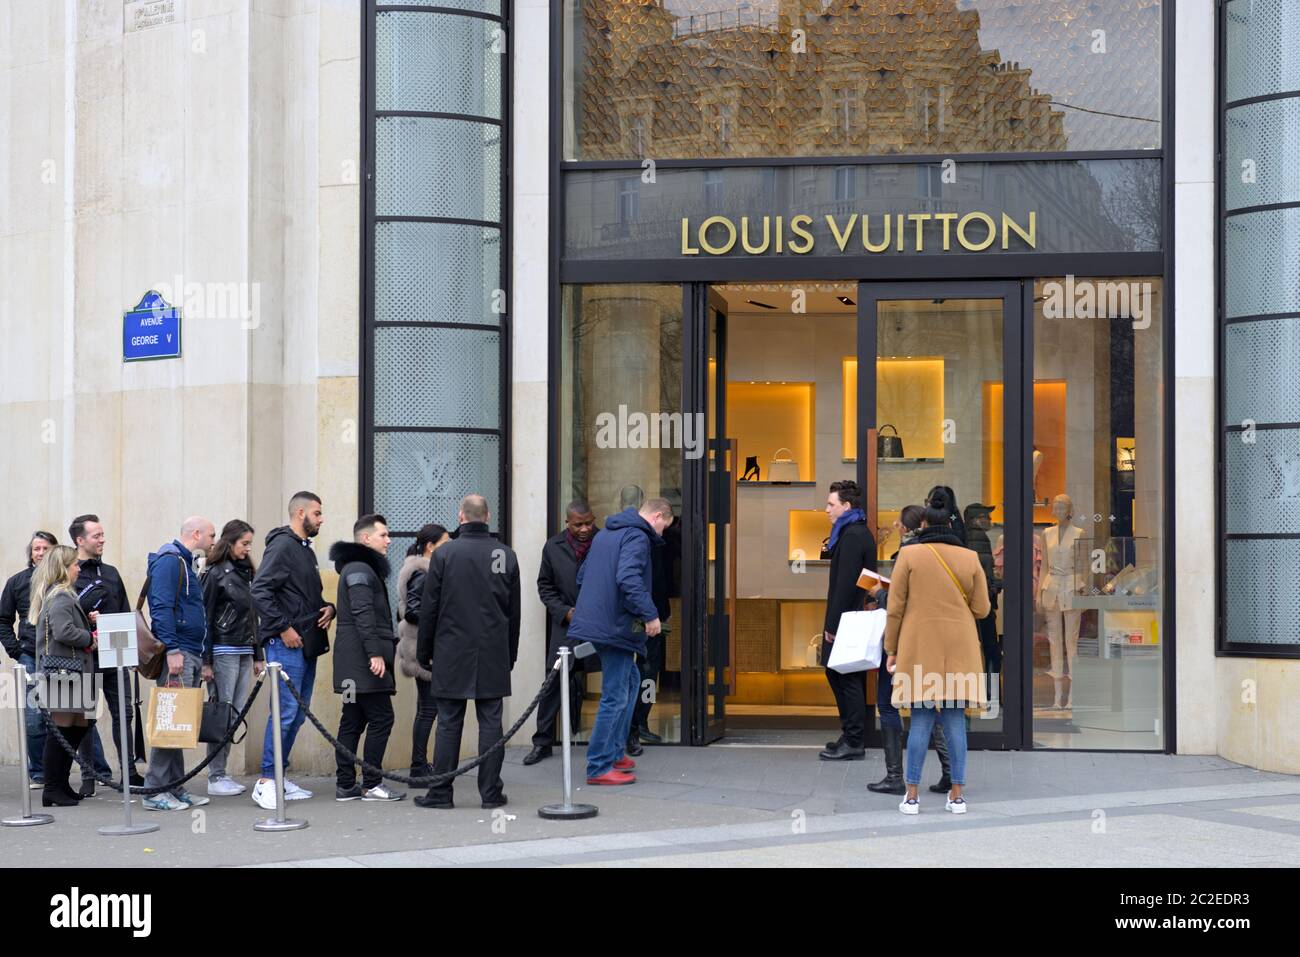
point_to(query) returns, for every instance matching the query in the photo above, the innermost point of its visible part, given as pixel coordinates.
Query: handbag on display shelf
(783, 469)
(889, 446)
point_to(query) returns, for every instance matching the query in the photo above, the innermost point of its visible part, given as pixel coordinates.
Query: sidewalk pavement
(748, 801)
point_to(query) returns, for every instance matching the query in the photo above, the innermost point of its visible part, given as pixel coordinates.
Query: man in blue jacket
(615, 612)
(179, 620)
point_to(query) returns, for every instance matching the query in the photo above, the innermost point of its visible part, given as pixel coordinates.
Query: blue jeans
(620, 680)
(302, 672)
(918, 741)
(35, 729)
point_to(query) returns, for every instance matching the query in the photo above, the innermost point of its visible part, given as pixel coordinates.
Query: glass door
(717, 676)
(935, 410)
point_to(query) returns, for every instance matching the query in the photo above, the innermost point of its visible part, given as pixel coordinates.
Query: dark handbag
(151, 653)
(218, 716)
(59, 664)
(889, 446)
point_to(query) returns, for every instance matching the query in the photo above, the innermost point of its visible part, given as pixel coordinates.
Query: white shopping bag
(858, 643)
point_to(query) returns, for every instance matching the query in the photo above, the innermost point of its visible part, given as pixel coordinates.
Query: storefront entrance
(789, 410)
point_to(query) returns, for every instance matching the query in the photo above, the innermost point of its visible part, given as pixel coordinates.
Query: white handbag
(783, 469)
(859, 642)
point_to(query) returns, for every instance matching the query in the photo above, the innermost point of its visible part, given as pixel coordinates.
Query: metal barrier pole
(279, 822)
(568, 810)
(27, 818)
(126, 828)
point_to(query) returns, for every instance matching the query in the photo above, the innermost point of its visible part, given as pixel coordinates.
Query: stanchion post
(279, 822)
(568, 810)
(126, 828)
(27, 818)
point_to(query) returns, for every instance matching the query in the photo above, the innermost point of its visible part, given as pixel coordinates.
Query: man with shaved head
(179, 620)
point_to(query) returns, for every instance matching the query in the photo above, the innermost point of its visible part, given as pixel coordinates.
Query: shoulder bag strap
(949, 571)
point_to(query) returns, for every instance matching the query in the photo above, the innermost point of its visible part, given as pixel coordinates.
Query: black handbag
(59, 664)
(889, 446)
(217, 718)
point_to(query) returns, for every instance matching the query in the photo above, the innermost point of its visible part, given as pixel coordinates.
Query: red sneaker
(613, 777)
(624, 764)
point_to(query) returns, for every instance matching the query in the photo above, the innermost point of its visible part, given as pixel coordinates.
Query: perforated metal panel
(422, 476)
(433, 377)
(1263, 48)
(1262, 482)
(1257, 356)
(1262, 264)
(397, 546)
(437, 272)
(1262, 606)
(478, 6)
(438, 63)
(437, 167)
(1263, 144)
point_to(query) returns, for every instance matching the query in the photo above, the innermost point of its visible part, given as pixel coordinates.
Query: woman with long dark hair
(65, 653)
(232, 655)
(410, 588)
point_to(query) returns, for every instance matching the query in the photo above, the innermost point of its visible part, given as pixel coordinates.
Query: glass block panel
(1262, 608)
(397, 546)
(437, 272)
(1267, 136)
(1262, 481)
(438, 63)
(1260, 266)
(475, 6)
(1263, 48)
(1257, 358)
(437, 167)
(434, 377)
(422, 476)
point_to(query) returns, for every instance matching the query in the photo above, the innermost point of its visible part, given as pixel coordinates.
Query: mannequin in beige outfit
(1057, 585)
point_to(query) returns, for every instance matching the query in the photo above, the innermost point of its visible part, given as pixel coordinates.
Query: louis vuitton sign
(853, 232)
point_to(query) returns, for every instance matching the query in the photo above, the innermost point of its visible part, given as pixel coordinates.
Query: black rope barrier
(432, 780)
(87, 766)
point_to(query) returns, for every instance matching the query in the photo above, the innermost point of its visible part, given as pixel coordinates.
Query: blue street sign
(152, 330)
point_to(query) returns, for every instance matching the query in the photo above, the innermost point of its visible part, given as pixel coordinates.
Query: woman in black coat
(410, 589)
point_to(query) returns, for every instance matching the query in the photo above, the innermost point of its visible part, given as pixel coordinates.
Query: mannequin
(1038, 464)
(1055, 595)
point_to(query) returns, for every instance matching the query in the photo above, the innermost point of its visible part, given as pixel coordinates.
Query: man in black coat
(21, 644)
(100, 591)
(364, 649)
(557, 584)
(852, 548)
(469, 641)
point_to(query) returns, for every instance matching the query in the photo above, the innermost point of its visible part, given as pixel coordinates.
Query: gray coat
(63, 629)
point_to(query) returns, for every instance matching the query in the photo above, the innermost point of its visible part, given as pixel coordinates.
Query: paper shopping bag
(858, 643)
(172, 717)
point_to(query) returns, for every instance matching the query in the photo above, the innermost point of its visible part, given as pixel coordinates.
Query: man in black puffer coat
(364, 649)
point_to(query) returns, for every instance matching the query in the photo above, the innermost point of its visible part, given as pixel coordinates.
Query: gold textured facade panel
(735, 78)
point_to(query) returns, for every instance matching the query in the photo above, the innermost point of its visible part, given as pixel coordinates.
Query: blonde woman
(65, 647)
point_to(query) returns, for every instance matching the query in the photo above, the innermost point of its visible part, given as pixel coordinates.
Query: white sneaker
(292, 792)
(910, 806)
(381, 793)
(225, 787)
(958, 806)
(264, 795)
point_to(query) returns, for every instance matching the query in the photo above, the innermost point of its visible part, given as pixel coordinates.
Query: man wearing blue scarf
(851, 548)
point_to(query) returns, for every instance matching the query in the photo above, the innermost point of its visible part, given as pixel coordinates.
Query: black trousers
(373, 714)
(426, 712)
(851, 699)
(651, 666)
(548, 709)
(446, 748)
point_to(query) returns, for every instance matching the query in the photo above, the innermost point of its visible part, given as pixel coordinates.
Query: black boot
(58, 766)
(845, 752)
(944, 784)
(892, 783)
(832, 745)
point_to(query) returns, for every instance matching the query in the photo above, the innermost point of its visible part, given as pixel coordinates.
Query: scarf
(937, 535)
(845, 520)
(580, 549)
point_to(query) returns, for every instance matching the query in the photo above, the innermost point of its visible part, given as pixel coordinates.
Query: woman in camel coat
(938, 591)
